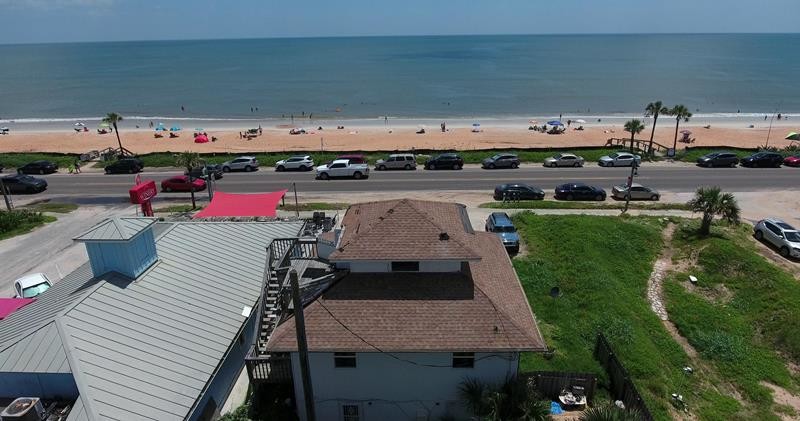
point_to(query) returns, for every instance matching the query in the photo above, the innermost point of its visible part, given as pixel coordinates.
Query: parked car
(500, 224)
(580, 191)
(397, 162)
(762, 159)
(31, 286)
(449, 161)
(180, 183)
(619, 159)
(518, 191)
(792, 161)
(1, 168)
(718, 159)
(342, 168)
(501, 161)
(21, 183)
(124, 166)
(242, 163)
(299, 163)
(564, 160)
(638, 192)
(38, 167)
(214, 170)
(780, 234)
(354, 158)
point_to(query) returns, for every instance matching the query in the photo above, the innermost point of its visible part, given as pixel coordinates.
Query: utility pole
(5, 195)
(770, 127)
(296, 206)
(634, 172)
(302, 346)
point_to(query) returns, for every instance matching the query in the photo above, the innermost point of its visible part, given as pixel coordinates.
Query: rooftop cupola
(123, 245)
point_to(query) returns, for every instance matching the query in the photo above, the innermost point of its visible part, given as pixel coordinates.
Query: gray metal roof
(146, 348)
(78, 412)
(117, 229)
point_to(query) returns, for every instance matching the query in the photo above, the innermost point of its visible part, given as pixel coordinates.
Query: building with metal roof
(154, 327)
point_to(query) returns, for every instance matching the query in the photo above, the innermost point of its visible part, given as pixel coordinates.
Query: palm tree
(113, 119)
(680, 112)
(514, 399)
(634, 127)
(610, 413)
(712, 202)
(189, 160)
(654, 109)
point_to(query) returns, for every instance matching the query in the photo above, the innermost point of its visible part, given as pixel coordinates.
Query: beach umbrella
(175, 128)
(532, 121)
(161, 129)
(105, 125)
(580, 121)
(79, 124)
(555, 123)
(198, 129)
(793, 136)
(686, 132)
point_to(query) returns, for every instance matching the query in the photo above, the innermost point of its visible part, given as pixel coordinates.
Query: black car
(38, 167)
(214, 170)
(718, 159)
(501, 161)
(21, 183)
(763, 159)
(518, 192)
(449, 161)
(125, 166)
(580, 191)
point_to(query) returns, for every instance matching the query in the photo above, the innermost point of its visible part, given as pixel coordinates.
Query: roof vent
(391, 210)
(444, 236)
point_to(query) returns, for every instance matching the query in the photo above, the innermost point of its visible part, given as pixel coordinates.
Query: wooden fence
(621, 387)
(549, 384)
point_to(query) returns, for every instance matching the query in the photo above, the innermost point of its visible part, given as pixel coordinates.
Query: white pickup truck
(342, 168)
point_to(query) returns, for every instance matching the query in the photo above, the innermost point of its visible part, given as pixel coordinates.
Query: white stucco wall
(386, 266)
(389, 389)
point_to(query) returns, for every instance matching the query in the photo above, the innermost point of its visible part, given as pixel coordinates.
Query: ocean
(401, 77)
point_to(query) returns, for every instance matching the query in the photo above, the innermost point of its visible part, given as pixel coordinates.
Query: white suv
(302, 163)
(242, 163)
(780, 234)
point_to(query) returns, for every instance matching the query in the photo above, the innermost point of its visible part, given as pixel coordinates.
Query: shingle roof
(116, 229)
(404, 230)
(486, 310)
(146, 348)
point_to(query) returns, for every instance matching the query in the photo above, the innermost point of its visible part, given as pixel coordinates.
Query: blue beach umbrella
(555, 123)
(175, 128)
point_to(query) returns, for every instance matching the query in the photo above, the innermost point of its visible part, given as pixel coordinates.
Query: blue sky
(27, 21)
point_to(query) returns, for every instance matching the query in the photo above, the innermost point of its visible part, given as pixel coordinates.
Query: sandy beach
(375, 138)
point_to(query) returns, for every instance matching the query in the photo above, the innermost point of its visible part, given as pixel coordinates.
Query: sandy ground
(380, 139)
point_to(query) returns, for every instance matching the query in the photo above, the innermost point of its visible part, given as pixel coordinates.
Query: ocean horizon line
(320, 37)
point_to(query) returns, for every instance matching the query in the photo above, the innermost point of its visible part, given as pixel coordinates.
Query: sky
(37, 21)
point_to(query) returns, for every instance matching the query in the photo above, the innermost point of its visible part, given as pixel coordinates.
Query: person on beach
(78, 166)
(568, 123)
(779, 116)
(183, 109)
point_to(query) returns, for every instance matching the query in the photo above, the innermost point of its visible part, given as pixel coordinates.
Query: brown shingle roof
(485, 310)
(404, 230)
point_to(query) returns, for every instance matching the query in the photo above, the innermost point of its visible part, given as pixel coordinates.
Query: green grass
(601, 265)
(741, 312)
(18, 222)
(554, 204)
(14, 160)
(54, 207)
(167, 159)
(313, 206)
(182, 208)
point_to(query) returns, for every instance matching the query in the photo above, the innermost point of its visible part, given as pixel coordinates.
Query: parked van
(397, 162)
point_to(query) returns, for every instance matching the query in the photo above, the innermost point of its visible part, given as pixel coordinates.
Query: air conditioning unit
(23, 409)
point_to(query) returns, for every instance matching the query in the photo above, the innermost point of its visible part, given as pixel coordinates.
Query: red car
(181, 183)
(792, 161)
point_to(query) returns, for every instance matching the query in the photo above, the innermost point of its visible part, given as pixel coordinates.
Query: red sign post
(142, 193)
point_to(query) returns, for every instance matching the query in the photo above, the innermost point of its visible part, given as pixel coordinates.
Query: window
(344, 359)
(405, 266)
(350, 413)
(463, 359)
(772, 228)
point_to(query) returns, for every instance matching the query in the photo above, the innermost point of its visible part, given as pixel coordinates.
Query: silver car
(301, 163)
(242, 163)
(638, 192)
(780, 234)
(619, 159)
(397, 162)
(564, 160)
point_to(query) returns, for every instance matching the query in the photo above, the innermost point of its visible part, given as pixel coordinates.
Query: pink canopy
(201, 139)
(10, 305)
(242, 204)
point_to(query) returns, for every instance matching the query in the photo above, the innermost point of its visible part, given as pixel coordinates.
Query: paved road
(678, 178)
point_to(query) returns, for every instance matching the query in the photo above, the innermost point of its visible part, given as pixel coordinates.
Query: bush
(18, 222)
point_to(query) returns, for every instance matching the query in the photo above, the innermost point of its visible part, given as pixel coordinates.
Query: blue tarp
(555, 408)
(555, 123)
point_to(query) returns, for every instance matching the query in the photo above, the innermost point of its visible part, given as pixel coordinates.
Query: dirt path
(782, 396)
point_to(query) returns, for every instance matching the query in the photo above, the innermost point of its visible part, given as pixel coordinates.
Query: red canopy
(201, 139)
(246, 204)
(10, 305)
